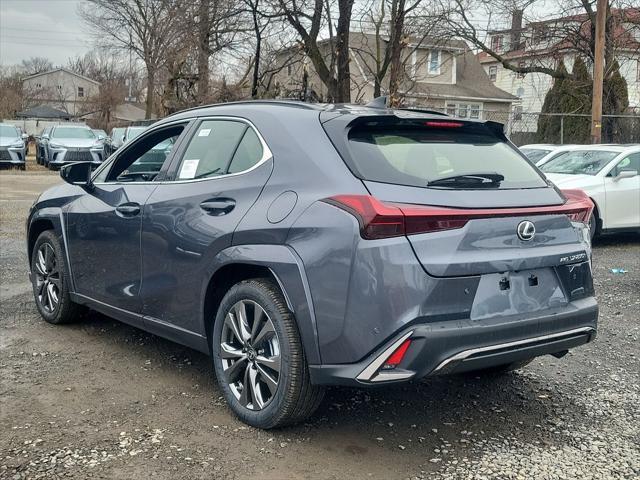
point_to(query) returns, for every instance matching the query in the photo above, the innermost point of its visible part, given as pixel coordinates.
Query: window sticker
(189, 169)
(204, 132)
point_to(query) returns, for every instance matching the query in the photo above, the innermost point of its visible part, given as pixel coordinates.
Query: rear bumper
(463, 345)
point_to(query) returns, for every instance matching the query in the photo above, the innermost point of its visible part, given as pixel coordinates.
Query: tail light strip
(385, 220)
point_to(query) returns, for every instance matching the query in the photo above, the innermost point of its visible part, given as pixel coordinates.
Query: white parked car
(536, 151)
(610, 175)
(541, 153)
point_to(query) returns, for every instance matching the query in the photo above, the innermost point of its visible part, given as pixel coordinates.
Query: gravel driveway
(104, 400)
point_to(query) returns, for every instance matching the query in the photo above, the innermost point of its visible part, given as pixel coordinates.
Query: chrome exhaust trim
(462, 356)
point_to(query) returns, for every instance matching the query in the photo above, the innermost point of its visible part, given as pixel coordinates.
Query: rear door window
(417, 156)
(219, 147)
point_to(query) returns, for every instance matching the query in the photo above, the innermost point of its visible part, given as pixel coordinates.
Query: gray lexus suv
(312, 245)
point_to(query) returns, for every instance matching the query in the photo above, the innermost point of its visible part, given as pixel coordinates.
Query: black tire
(294, 398)
(594, 225)
(56, 306)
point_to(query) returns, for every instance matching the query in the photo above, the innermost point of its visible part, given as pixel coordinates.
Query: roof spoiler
(381, 102)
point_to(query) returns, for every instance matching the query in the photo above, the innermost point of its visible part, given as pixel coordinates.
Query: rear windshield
(416, 156)
(73, 132)
(587, 162)
(534, 154)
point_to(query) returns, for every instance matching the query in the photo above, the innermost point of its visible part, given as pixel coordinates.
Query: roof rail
(288, 103)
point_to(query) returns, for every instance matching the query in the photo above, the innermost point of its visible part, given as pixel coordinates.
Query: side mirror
(101, 137)
(124, 138)
(45, 136)
(77, 174)
(24, 136)
(626, 174)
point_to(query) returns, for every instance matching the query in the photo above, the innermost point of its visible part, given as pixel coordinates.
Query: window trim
(438, 70)
(613, 171)
(176, 162)
(187, 122)
(494, 69)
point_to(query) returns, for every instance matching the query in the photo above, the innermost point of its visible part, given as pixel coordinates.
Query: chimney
(516, 29)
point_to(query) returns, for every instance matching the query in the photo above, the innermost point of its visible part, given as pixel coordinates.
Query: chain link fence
(562, 128)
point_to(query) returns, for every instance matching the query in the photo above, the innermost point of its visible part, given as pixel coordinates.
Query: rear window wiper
(471, 180)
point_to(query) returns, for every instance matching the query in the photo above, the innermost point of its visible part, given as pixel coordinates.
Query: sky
(41, 28)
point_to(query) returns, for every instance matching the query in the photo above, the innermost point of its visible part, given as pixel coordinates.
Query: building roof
(43, 111)
(566, 40)
(61, 69)
(129, 112)
(472, 83)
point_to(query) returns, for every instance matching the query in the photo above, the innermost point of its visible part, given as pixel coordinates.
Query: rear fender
(288, 270)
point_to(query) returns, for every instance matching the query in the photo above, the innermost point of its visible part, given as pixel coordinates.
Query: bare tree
(34, 65)
(573, 32)
(385, 23)
(307, 17)
(114, 77)
(11, 92)
(145, 27)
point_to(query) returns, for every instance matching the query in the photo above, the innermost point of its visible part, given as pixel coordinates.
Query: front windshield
(73, 132)
(8, 131)
(534, 154)
(133, 132)
(585, 162)
(117, 133)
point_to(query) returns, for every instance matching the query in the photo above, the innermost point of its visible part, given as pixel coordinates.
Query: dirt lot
(103, 400)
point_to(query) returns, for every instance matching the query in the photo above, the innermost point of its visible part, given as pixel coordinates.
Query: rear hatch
(467, 200)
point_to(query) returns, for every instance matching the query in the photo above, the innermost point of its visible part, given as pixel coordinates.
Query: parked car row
(13, 146)
(609, 174)
(66, 143)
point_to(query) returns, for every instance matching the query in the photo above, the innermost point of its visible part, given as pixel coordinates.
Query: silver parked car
(13, 146)
(73, 143)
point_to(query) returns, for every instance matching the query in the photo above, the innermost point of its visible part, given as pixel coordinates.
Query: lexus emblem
(526, 230)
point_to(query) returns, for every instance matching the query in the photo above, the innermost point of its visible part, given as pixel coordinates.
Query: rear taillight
(579, 206)
(377, 220)
(385, 220)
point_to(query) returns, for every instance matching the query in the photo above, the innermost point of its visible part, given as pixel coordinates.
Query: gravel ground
(104, 400)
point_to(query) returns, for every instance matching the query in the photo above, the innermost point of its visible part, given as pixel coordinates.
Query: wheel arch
(597, 212)
(36, 227)
(277, 262)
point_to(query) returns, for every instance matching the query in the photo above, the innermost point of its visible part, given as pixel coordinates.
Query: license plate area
(576, 279)
(513, 293)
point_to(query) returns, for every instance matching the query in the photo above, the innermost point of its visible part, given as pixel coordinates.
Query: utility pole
(598, 72)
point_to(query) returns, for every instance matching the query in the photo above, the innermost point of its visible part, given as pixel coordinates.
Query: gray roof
(61, 69)
(471, 82)
(43, 111)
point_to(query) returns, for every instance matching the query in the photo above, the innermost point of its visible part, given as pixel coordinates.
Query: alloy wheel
(250, 352)
(47, 278)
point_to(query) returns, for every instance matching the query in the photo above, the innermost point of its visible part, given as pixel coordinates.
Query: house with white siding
(547, 43)
(62, 89)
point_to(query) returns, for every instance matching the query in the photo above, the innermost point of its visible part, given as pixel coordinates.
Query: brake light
(441, 124)
(377, 220)
(581, 205)
(385, 220)
(396, 357)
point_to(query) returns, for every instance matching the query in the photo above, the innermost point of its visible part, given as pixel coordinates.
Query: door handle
(128, 209)
(218, 206)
